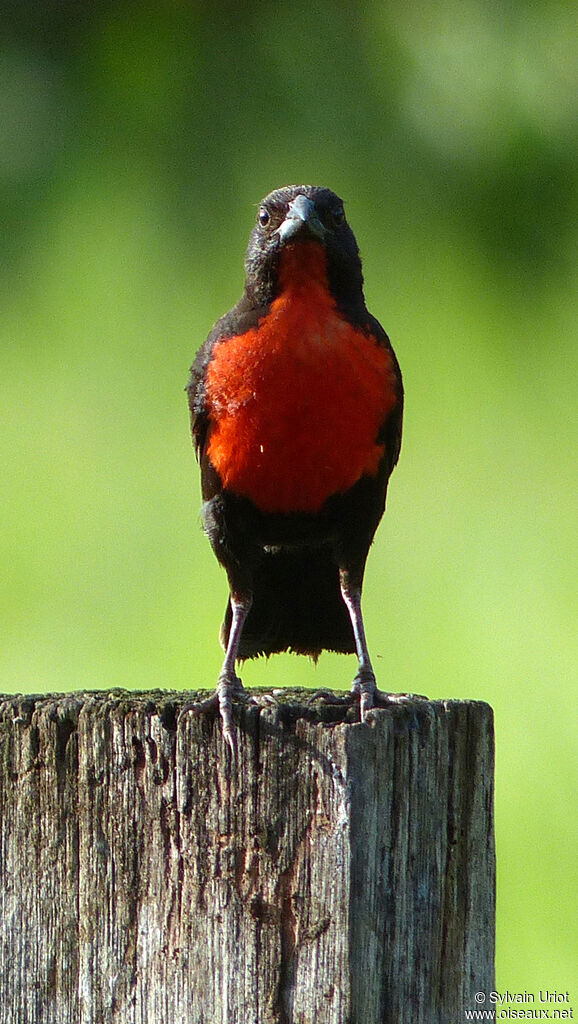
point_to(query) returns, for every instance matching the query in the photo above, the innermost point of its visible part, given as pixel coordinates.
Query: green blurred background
(135, 142)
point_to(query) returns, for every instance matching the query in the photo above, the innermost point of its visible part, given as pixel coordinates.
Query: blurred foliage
(135, 141)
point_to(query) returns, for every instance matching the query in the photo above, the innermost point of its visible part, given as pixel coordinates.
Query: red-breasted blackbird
(296, 400)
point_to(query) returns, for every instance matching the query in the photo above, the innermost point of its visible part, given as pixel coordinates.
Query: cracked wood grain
(343, 874)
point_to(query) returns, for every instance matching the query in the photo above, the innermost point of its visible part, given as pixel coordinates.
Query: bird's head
(293, 224)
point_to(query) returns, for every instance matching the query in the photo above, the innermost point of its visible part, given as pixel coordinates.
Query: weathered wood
(343, 874)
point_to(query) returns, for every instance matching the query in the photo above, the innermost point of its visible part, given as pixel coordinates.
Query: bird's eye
(338, 216)
(264, 217)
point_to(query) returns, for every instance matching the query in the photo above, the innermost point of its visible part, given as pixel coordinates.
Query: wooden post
(343, 874)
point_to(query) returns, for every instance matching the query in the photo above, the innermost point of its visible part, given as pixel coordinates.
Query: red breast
(296, 403)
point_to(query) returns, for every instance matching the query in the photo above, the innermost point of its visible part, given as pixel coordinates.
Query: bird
(296, 402)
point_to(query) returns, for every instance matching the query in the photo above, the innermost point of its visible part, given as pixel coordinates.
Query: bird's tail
(297, 606)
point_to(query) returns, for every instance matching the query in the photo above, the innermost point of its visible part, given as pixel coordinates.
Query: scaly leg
(229, 682)
(364, 682)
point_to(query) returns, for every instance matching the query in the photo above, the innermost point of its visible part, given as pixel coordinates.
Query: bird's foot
(364, 686)
(229, 685)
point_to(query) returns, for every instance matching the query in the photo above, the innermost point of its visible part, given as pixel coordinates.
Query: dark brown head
(299, 214)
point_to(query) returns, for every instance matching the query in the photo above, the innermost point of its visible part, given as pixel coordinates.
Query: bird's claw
(229, 686)
(364, 686)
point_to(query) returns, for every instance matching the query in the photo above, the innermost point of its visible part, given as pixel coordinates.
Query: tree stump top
(341, 872)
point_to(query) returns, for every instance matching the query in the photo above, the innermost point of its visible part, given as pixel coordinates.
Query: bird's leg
(229, 682)
(364, 682)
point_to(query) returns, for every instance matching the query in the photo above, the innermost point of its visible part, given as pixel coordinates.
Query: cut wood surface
(342, 873)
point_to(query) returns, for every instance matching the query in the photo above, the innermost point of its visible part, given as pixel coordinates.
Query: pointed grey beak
(302, 214)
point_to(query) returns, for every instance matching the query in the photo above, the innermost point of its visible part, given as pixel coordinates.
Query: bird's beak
(301, 216)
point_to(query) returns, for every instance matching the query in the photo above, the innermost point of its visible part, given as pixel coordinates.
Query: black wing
(391, 430)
